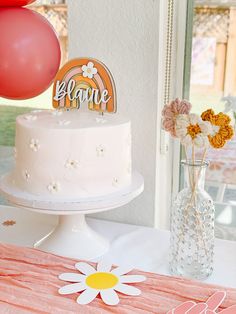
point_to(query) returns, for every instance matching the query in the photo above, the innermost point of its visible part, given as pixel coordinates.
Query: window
(211, 81)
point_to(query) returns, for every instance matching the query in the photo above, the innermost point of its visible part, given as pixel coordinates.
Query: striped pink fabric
(29, 284)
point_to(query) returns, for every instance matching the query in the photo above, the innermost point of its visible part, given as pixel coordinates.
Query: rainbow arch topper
(82, 81)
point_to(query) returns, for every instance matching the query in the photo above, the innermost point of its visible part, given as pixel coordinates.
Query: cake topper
(85, 80)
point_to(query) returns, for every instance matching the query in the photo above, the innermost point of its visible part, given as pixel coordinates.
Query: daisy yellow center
(193, 130)
(101, 281)
(89, 70)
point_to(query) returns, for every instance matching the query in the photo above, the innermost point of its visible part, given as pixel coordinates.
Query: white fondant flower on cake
(115, 182)
(100, 150)
(30, 117)
(102, 280)
(71, 163)
(89, 70)
(34, 145)
(54, 187)
(26, 175)
(100, 120)
(64, 122)
(57, 113)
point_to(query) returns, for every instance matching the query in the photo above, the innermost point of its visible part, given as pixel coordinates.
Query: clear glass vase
(192, 225)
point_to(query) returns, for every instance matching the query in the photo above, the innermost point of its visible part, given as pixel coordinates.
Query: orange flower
(207, 115)
(221, 119)
(223, 131)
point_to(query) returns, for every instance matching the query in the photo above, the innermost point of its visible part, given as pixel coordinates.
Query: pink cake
(29, 284)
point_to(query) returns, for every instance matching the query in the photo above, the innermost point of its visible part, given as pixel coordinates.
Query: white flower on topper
(100, 150)
(54, 187)
(64, 122)
(102, 280)
(89, 70)
(191, 129)
(26, 175)
(30, 117)
(71, 164)
(34, 145)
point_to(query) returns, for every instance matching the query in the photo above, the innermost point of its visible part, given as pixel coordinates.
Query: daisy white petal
(201, 140)
(126, 289)
(90, 75)
(206, 127)
(85, 268)
(181, 132)
(194, 118)
(84, 67)
(186, 140)
(104, 266)
(182, 121)
(132, 278)
(122, 270)
(73, 288)
(109, 297)
(87, 296)
(72, 277)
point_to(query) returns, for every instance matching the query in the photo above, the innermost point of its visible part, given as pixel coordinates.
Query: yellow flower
(221, 123)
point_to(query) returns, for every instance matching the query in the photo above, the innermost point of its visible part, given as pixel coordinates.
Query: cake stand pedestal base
(72, 237)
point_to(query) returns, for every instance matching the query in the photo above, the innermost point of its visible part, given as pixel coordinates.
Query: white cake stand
(72, 237)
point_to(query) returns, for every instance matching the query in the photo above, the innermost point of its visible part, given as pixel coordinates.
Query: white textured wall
(124, 35)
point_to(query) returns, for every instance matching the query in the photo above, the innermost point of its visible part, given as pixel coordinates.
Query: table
(142, 247)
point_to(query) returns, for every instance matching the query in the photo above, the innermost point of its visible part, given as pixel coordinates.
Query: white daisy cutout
(71, 163)
(54, 187)
(100, 150)
(30, 117)
(64, 122)
(89, 70)
(103, 281)
(34, 145)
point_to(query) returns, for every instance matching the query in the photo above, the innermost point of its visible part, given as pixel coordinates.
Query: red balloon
(15, 3)
(29, 53)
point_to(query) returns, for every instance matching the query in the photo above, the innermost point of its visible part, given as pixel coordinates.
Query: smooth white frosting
(72, 154)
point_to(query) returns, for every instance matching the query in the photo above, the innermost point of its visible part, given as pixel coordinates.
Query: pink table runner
(29, 284)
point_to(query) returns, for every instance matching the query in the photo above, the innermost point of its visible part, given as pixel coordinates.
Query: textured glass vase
(192, 225)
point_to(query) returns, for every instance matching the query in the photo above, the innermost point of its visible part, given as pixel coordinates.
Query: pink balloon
(29, 53)
(15, 3)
